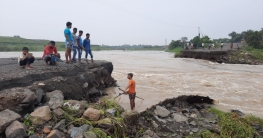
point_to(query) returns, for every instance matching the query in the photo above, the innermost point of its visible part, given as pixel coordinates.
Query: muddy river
(159, 76)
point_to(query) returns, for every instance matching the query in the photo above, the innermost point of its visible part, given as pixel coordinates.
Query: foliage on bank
(247, 55)
(233, 126)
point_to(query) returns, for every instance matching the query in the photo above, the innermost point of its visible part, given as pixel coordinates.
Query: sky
(117, 22)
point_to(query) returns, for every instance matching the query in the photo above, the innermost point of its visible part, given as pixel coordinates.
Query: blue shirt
(80, 40)
(86, 44)
(68, 32)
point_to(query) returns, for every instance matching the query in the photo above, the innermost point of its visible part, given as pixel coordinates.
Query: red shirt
(49, 50)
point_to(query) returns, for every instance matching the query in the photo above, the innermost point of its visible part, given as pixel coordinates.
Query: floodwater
(159, 76)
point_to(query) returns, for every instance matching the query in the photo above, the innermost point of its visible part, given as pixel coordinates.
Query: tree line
(251, 37)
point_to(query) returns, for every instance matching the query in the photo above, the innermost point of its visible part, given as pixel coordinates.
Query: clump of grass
(75, 120)
(175, 50)
(205, 134)
(107, 104)
(119, 127)
(29, 125)
(254, 120)
(99, 133)
(233, 125)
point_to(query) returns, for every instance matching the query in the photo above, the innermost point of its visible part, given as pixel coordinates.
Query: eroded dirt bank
(77, 82)
(221, 56)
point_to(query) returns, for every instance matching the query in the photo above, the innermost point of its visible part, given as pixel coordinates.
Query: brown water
(159, 76)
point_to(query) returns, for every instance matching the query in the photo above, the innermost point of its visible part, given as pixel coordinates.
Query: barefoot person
(80, 45)
(131, 90)
(86, 45)
(50, 54)
(75, 44)
(69, 42)
(26, 59)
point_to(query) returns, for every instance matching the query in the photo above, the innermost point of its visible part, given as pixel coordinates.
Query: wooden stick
(126, 93)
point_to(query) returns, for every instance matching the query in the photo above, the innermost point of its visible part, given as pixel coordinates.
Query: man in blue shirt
(69, 42)
(80, 45)
(86, 45)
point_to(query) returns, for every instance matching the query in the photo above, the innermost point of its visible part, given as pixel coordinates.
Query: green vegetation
(232, 126)
(176, 51)
(253, 52)
(247, 53)
(16, 44)
(29, 125)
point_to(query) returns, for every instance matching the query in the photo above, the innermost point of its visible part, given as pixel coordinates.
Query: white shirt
(21, 56)
(75, 40)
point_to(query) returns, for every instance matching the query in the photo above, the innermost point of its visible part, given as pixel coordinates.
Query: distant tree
(184, 39)
(196, 42)
(223, 40)
(253, 38)
(175, 44)
(205, 39)
(232, 34)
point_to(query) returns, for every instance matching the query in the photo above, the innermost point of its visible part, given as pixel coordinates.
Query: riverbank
(246, 55)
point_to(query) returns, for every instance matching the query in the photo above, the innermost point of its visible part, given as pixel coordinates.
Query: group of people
(50, 56)
(74, 42)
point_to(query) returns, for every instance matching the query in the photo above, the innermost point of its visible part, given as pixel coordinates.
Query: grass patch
(29, 125)
(175, 50)
(99, 133)
(253, 52)
(232, 126)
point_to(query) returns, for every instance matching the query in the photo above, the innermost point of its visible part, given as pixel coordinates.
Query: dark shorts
(132, 96)
(26, 61)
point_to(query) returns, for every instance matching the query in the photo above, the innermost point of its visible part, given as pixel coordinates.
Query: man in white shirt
(25, 59)
(222, 44)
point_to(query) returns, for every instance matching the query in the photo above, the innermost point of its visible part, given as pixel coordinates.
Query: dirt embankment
(76, 81)
(227, 56)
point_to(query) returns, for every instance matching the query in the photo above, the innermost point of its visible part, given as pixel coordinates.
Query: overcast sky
(116, 22)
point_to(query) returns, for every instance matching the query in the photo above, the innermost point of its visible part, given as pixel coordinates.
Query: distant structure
(16, 36)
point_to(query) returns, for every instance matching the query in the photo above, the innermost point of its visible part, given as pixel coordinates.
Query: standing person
(75, 44)
(203, 45)
(192, 46)
(86, 45)
(209, 46)
(231, 46)
(50, 54)
(222, 44)
(69, 42)
(26, 58)
(80, 45)
(130, 89)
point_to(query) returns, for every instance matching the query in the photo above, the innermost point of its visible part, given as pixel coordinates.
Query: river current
(159, 76)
